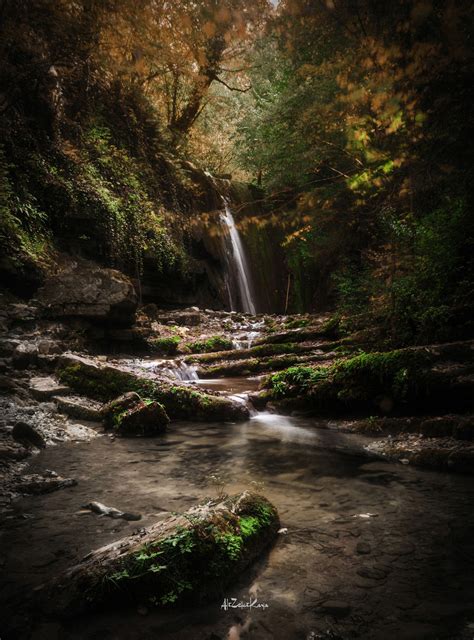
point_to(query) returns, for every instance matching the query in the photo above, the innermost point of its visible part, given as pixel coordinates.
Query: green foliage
(297, 323)
(203, 555)
(167, 346)
(296, 379)
(214, 343)
(357, 382)
(24, 234)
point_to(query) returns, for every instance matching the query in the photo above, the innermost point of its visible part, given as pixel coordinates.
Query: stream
(372, 549)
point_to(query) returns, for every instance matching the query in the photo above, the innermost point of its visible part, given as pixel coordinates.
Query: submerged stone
(190, 557)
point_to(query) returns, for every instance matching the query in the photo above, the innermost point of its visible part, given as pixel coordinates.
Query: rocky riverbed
(369, 546)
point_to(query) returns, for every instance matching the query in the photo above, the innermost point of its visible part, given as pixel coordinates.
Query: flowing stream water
(372, 550)
(239, 263)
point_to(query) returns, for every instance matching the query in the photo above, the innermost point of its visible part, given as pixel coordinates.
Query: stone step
(79, 407)
(44, 388)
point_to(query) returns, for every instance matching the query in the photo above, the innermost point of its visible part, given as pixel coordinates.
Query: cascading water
(242, 272)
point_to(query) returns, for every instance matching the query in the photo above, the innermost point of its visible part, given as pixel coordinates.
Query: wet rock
(47, 387)
(145, 418)
(25, 355)
(111, 512)
(79, 407)
(117, 406)
(36, 484)
(26, 434)
(462, 460)
(12, 451)
(259, 400)
(185, 557)
(86, 290)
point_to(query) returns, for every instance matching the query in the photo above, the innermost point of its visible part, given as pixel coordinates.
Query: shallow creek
(373, 549)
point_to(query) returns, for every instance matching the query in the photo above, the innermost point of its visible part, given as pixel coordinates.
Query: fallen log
(189, 557)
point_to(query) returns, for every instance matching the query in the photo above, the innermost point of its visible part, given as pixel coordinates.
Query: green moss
(166, 346)
(252, 365)
(401, 375)
(106, 383)
(258, 351)
(99, 383)
(194, 558)
(297, 323)
(214, 343)
(332, 327)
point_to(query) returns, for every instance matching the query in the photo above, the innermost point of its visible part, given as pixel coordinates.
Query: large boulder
(188, 557)
(86, 290)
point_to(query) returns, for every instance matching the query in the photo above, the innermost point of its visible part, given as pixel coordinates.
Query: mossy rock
(166, 346)
(130, 415)
(187, 558)
(212, 344)
(117, 406)
(104, 382)
(378, 381)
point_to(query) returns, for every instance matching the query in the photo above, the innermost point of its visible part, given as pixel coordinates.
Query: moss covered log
(259, 351)
(104, 382)
(186, 558)
(329, 329)
(260, 365)
(400, 380)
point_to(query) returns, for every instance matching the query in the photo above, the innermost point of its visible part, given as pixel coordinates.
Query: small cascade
(246, 340)
(239, 264)
(184, 372)
(173, 369)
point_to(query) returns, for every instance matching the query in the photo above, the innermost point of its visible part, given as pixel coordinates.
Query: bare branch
(232, 88)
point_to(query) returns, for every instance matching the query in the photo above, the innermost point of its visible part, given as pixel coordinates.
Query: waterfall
(243, 277)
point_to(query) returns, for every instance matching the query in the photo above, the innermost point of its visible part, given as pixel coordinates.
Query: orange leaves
(209, 28)
(223, 15)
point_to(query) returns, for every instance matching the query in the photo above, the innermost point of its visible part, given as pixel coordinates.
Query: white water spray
(244, 281)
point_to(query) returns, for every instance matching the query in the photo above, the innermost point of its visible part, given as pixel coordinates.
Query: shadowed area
(371, 547)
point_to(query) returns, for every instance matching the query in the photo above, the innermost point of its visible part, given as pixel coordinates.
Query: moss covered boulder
(104, 382)
(130, 415)
(187, 558)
